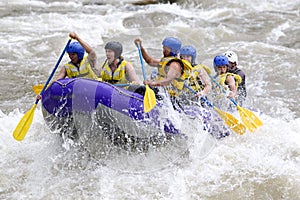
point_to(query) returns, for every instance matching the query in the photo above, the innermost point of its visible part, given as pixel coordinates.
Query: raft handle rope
(64, 84)
(115, 87)
(123, 93)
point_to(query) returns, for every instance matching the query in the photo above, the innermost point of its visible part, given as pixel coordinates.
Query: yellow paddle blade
(23, 126)
(251, 121)
(37, 88)
(232, 122)
(149, 99)
(253, 117)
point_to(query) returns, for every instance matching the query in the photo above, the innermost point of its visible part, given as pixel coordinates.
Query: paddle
(149, 97)
(229, 120)
(26, 121)
(250, 120)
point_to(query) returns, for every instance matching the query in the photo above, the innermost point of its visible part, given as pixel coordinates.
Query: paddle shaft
(230, 120)
(54, 69)
(149, 97)
(123, 84)
(250, 119)
(202, 98)
(26, 121)
(218, 84)
(141, 59)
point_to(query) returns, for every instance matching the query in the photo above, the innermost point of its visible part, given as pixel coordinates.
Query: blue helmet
(220, 61)
(190, 51)
(173, 43)
(75, 47)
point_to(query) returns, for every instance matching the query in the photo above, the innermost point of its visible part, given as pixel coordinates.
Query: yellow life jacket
(201, 66)
(84, 70)
(193, 79)
(161, 72)
(222, 78)
(118, 76)
(178, 83)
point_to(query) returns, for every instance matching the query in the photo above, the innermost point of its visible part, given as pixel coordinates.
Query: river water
(260, 165)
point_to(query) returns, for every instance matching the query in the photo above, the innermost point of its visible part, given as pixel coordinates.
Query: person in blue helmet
(80, 65)
(171, 69)
(199, 79)
(228, 81)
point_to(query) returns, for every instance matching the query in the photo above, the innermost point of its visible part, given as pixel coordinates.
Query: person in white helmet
(233, 67)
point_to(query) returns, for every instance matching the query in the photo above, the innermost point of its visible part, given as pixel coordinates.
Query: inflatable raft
(74, 106)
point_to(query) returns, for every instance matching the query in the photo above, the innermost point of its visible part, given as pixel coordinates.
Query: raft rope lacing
(115, 87)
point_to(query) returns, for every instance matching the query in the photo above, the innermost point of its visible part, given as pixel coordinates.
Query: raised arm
(85, 45)
(150, 60)
(92, 58)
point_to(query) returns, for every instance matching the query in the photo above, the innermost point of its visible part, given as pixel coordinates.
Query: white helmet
(232, 57)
